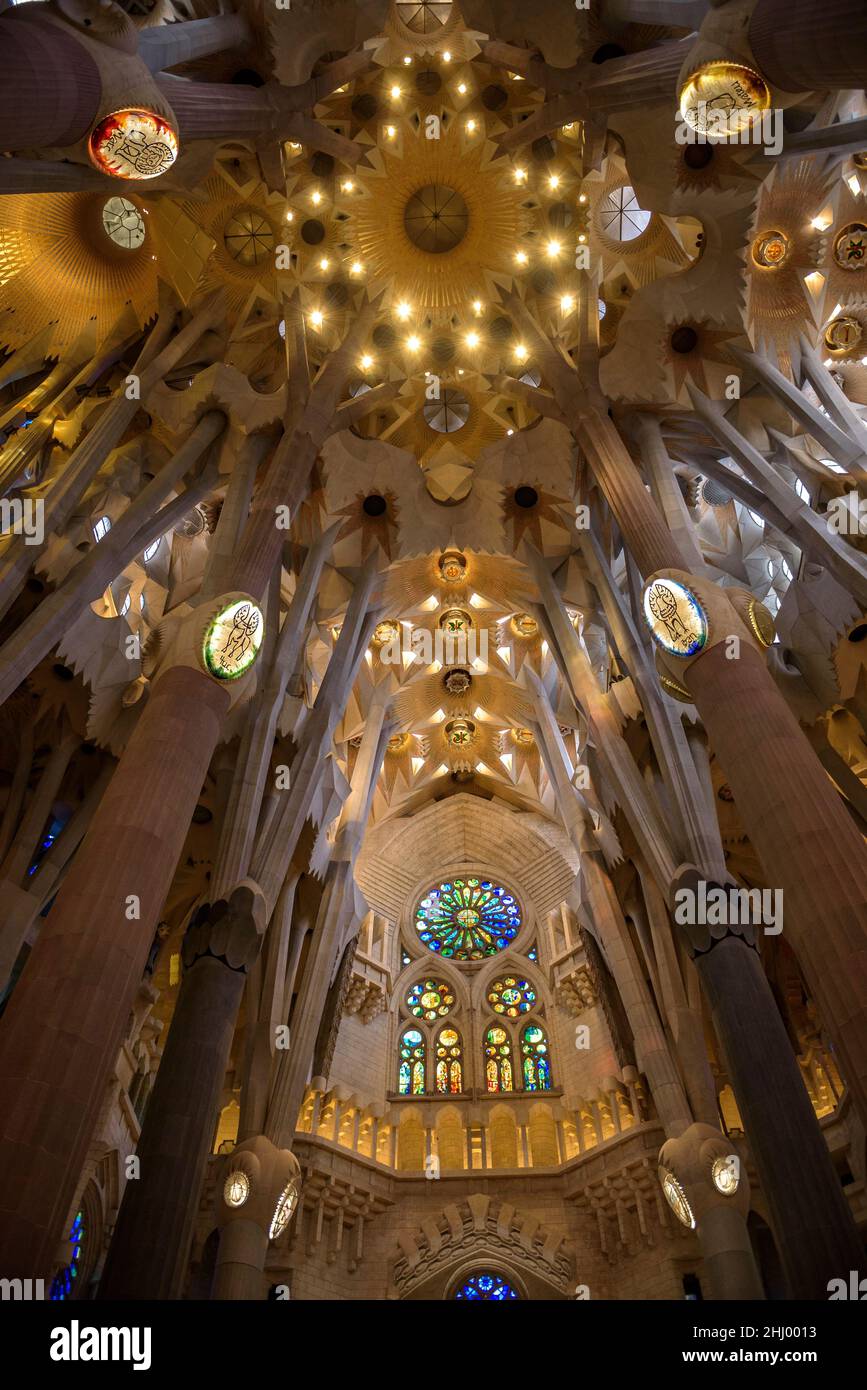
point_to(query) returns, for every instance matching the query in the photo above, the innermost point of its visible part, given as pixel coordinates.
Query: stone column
(61, 1030)
(39, 58)
(258, 1188)
(801, 46)
(149, 1252)
(812, 1222)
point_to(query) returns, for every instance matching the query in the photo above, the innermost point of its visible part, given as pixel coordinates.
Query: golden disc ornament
(721, 99)
(133, 145)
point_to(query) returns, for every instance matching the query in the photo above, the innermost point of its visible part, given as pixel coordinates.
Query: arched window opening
(449, 1068)
(511, 996)
(411, 1071)
(486, 1285)
(535, 1063)
(499, 1075)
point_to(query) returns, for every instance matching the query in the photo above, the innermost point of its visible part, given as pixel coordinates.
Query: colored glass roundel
(467, 919)
(486, 1286)
(133, 145)
(233, 639)
(430, 999)
(675, 617)
(511, 996)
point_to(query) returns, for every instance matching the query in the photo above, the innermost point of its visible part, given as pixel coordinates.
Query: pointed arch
(499, 1059)
(448, 1062)
(535, 1058)
(411, 1065)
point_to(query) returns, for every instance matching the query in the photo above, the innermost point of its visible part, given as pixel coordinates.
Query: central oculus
(436, 218)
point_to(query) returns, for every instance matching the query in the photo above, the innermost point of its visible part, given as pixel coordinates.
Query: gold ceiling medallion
(771, 249)
(850, 248)
(453, 567)
(133, 145)
(460, 732)
(457, 681)
(456, 620)
(843, 333)
(398, 743)
(860, 159)
(721, 99)
(523, 737)
(523, 625)
(387, 631)
(436, 219)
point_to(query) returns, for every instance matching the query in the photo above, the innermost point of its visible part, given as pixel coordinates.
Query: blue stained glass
(61, 1284)
(467, 919)
(486, 1287)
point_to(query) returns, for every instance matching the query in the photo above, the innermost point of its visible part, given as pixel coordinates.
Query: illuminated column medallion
(232, 639)
(133, 145)
(721, 99)
(675, 617)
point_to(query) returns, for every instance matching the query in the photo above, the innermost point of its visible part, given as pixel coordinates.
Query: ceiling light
(366, 362)
(521, 257)
(347, 185)
(520, 175)
(403, 310)
(407, 60)
(395, 93)
(553, 248)
(316, 318)
(413, 343)
(390, 131)
(356, 268)
(521, 352)
(324, 263)
(567, 303)
(582, 237)
(471, 125)
(290, 216)
(473, 340)
(462, 88)
(477, 306)
(447, 57)
(510, 431)
(554, 181)
(582, 197)
(316, 197)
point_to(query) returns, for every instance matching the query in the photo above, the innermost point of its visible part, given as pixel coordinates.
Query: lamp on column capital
(687, 615)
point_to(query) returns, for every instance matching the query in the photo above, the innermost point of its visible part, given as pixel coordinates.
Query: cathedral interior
(433, 649)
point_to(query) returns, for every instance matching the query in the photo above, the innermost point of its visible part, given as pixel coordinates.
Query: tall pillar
(811, 1219)
(64, 1023)
(800, 46)
(149, 1252)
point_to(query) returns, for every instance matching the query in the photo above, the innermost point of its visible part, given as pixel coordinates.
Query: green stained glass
(430, 1000)
(535, 1064)
(468, 919)
(410, 1076)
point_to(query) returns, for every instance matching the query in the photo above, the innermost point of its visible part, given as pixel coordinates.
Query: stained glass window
(533, 953)
(468, 919)
(449, 1071)
(410, 1081)
(486, 1286)
(430, 1000)
(62, 1283)
(511, 996)
(535, 1061)
(498, 1060)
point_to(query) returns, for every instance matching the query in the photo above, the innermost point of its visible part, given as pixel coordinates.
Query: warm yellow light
(510, 431)
(413, 343)
(447, 57)
(403, 310)
(477, 306)
(356, 268)
(395, 93)
(520, 175)
(471, 125)
(554, 181)
(290, 216)
(316, 318)
(366, 362)
(553, 248)
(316, 197)
(521, 352)
(567, 303)
(407, 60)
(347, 185)
(390, 131)
(473, 340)
(462, 88)
(582, 197)
(324, 263)
(521, 257)
(582, 237)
